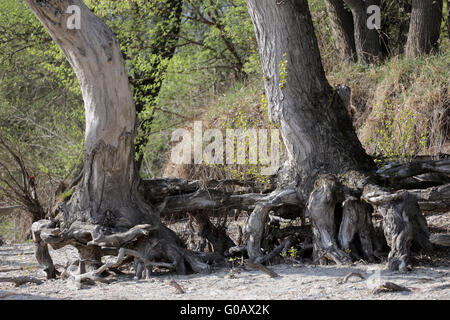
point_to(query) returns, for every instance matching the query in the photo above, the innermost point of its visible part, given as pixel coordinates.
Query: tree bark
(315, 124)
(342, 29)
(367, 41)
(107, 204)
(424, 27)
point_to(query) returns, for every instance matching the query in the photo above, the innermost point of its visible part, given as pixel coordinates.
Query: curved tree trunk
(424, 27)
(367, 41)
(106, 209)
(332, 167)
(343, 29)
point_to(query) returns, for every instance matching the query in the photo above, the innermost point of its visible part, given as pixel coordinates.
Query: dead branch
(390, 287)
(441, 239)
(352, 274)
(285, 244)
(262, 268)
(159, 189)
(405, 170)
(18, 281)
(174, 284)
(146, 262)
(440, 193)
(7, 210)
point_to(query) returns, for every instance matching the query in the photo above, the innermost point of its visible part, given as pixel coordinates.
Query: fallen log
(8, 210)
(441, 239)
(400, 170)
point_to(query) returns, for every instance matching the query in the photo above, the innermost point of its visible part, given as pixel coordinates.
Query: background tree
(367, 40)
(425, 27)
(343, 29)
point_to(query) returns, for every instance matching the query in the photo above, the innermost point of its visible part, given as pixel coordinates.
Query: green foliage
(396, 135)
(291, 252)
(283, 70)
(41, 113)
(216, 53)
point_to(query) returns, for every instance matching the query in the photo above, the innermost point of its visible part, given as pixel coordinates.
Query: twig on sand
(174, 284)
(6, 294)
(352, 274)
(11, 269)
(262, 268)
(18, 281)
(390, 287)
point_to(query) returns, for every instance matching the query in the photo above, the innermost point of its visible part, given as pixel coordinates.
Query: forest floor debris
(428, 279)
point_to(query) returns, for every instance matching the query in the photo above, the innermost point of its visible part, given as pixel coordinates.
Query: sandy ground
(425, 281)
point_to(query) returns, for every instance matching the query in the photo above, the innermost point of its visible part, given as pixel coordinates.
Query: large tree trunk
(333, 170)
(424, 27)
(342, 29)
(367, 41)
(314, 120)
(106, 209)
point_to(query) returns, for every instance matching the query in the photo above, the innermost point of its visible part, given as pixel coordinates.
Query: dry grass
(415, 88)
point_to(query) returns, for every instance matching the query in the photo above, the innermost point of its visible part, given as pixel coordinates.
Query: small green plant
(398, 135)
(292, 252)
(233, 262)
(283, 66)
(67, 195)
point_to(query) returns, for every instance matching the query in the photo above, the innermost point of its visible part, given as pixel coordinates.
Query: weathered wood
(262, 268)
(8, 210)
(441, 239)
(404, 170)
(403, 223)
(41, 248)
(321, 209)
(378, 196)
(156, 190)
(18, 281)
(255, 224)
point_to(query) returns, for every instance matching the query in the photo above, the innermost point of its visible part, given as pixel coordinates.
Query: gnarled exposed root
(151, 246)
(255, 224)
(342, 222)
(339, 210)
(403, 224)
(322, 208)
